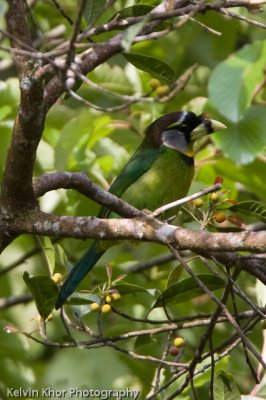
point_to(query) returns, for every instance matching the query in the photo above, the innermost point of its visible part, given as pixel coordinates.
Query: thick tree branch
(17, 192)
(145, 229)
(80, 182)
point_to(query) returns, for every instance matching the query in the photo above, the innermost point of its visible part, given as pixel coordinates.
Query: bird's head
(179, 130)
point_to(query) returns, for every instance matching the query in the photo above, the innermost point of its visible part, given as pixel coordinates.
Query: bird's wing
(137, 165)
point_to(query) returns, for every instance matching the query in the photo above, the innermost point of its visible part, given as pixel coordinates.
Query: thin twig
(179, 202)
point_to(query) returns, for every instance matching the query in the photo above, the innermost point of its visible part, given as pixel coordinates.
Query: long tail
(78, 272)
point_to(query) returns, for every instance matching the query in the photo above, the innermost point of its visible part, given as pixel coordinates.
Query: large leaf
(153, 66)
(233, 81)
(225, 388)
(92, 10)
(243, 141)
(254, 208)
(187, 289)
(44, 291)
(252, 175)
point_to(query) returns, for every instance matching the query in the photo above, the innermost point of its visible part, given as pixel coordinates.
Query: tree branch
(17, 192)
(144, 229)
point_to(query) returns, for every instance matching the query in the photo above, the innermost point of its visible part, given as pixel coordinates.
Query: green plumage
(160, 171)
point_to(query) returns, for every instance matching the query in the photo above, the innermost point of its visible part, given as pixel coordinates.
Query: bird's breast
(168, 179)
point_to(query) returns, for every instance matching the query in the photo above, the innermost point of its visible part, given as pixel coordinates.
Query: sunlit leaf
(244, 140)
(233, 81)
(225, 388)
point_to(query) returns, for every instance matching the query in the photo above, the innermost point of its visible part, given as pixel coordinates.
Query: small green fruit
(198, 203)
(154, 83)
(214, 197)
(162, 90)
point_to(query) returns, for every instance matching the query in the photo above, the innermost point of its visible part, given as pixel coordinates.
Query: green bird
(159, 172)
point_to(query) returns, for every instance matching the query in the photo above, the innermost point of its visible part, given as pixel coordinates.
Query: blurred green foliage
(226, 85)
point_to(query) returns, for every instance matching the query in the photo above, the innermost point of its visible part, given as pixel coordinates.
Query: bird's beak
(207, 127)
(217, 125)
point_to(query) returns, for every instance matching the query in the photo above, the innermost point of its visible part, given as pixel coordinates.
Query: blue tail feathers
(78, 272)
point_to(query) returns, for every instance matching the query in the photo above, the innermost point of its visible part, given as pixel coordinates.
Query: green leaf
(144, 340)
(225, 388)
(252, 176)
(82, 299)
(133, 11)
(126, 288)
(99, 129)
(3, 7)
(233, 81)
(92, 10)
(153, 66)
(174, 276)
(130, 34)
(187, 289)
(48, 251)
(254, 208)
(4, 111)
(44, 291)
(243, 141)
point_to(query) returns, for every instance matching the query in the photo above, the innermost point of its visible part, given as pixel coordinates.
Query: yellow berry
(57, 277)
(108, 299)
(198, 203)
(162, 90)
(116, 296)
(214, 197)
(154, 83)
(219, 217)
(179, 342)
(174, 351)
(106, 308)
(94, 306)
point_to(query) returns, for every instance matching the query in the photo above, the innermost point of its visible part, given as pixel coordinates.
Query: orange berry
(174, 351)
(219, 217)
